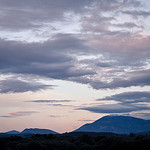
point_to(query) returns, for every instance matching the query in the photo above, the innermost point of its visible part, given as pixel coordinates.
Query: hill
(28, 132)
(12, 132)
(117, 124)
(38, 131)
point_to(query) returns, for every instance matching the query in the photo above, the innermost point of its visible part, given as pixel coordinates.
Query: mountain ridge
(116, 124)
(12, 132)
(37, 131)
(30, 131)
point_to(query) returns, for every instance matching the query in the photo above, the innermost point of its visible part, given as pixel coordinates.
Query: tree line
(82, 142)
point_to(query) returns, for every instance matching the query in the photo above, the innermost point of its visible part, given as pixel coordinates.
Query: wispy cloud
(127, 102)
(11, 85)
(61, 105)
(143, 115)
(19, 114)
(86, 120)
(129, 97)
(137, 13)
(114, 108)
(128, 25)
(87, 29)
(50, 101)
(55, 116)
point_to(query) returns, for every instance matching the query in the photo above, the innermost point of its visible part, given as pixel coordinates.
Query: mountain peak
(12, 132)
(117, 118)
(38, 131)
(117, 124)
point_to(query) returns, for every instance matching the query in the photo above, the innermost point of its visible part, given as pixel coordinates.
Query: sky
(64, 63)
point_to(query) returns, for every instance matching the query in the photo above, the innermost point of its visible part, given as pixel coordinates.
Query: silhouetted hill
(12, 132)
(117, 124)
(38, 131)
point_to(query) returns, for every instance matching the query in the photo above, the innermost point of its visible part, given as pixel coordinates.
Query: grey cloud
(17, 20)
(12, 85)
(55, 116)
(129, 97)
(134, 79)
(126, 51)
(47, 4)
(96, 23)
(143, 115)
(57, 58)
(83, 80)
(114, 108)
(104, 65)
(61, 105)
(31, 14)
(50, 101)
(109, 5)
(127, 102)
(85, 120)
(128, 25)
(137, 13)
(19, 114)
(50, 59)
(142, 80)
(97, 62)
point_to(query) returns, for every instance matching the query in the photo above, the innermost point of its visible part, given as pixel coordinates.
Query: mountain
(117, 124)
(12, 132)
(38, 131)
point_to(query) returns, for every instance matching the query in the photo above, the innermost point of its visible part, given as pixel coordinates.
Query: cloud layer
(85, 42)
(12, 85)
(127, 102)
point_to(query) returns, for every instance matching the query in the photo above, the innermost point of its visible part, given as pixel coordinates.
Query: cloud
(12, 85)
(110, 5)
(123, 51)
(19, 114)
(57, 59)
(87, 55)
(86, 119)
(50, 101)
(127, 102)
(142, 79)
(46, 12)
(137, 13)
(104, 65)
(55, 116)
(129, 97)
(46, 59)
(114, 108)
(23, 17)
(96, 23)
(135, 78)
(143, 115)
(129, 25)
(61, 105)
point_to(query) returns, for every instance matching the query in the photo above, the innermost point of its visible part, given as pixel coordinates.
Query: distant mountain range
(108, 124)
(117, 124)
(30, 131)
